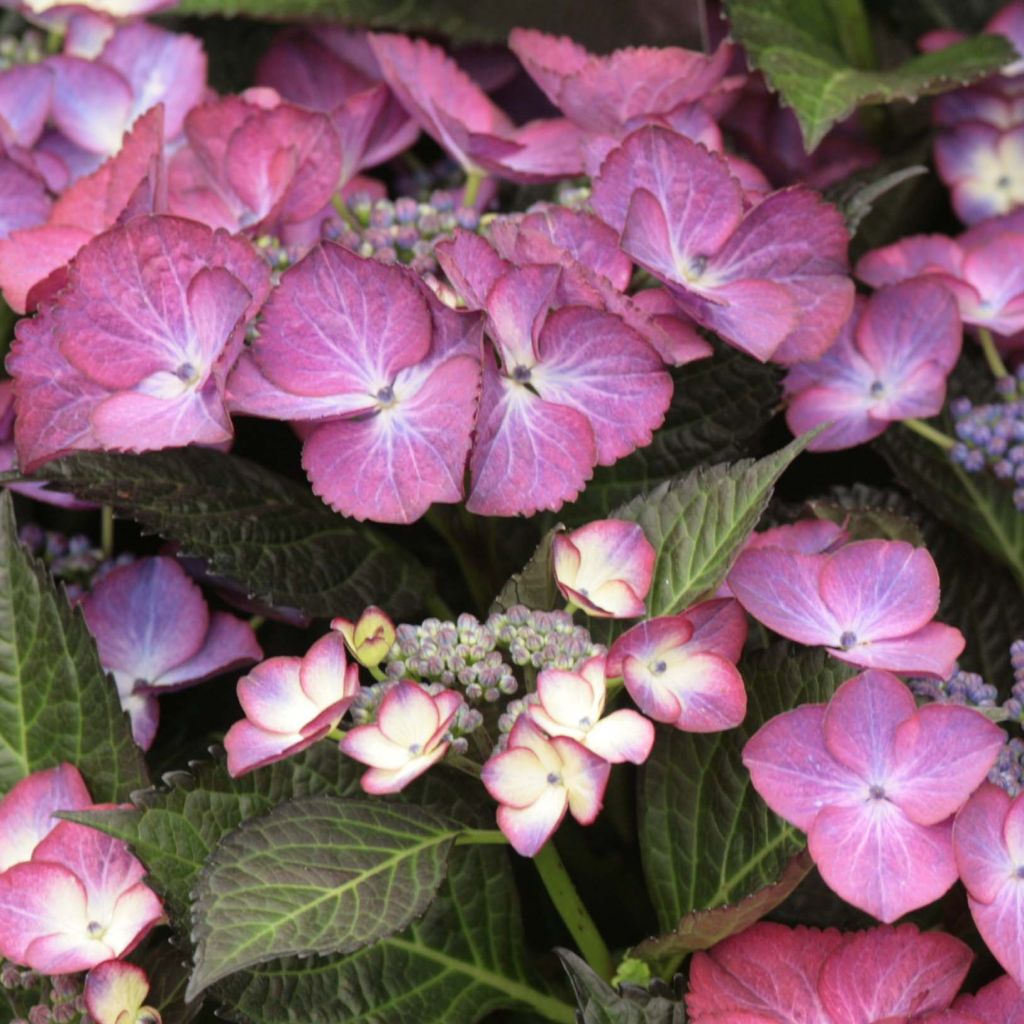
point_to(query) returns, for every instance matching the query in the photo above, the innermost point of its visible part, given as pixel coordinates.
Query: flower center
(657, 667)
(186, 372)
(521, 374)
(95, 929)
(876, 792)
(554, 778)
(877, 389)
(415, 748)
(847, 640)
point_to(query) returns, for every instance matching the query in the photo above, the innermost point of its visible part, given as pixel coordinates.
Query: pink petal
(26, 812)
(130, 421)
(719, 626)
(861, 722)
(1001, 924)
(361, 323)
(516, 777)
(529, 454)
(39, 899)
(323, 672)
(24, 202)
(781, 589)
(644, 640)
(113, 988)
(229, 644)
(793, 771)
(706, 690)
(621, 736)
(848, 414)
(931, 651)
(137, 911)
(408, 715)
(92, 103)
(585, 777)
(517, 307)
(548, 59)
(940, 756)
(766, 968)
(529, 828)
(889, 972)
(272, 696)
(380, 781)
(472, 266)
(147, 618)
(983, 859)
(392, 465)
(591, 361)
(567, 698)
(26, 93)
(29, 256)
(249, 747)
(911, 257)
(999, 1002)
(875, 858)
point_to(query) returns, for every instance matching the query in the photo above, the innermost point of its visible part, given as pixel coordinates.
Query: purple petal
(930, 651)
(230, 643)
(92, 103)
(984, 861)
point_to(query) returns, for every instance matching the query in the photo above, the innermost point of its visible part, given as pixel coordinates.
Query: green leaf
(706, 837)
(535, 585)
(599, 1003)
(267, 532)
(175, 828)
(718, 407)
(461, 961)
(699, 522)
(974, 503)
(319, 875)
(56, 703)
(798, 44)
(701, 929)
(866, 513)
(856, 196)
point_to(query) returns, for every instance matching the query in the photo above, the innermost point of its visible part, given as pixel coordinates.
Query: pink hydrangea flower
(983, 268)
(155, 634)
(874, 781)
(254, 163)
(999, 1002)
(537, 779)
(572, 703)
(406, 739)
(386, 376)
(988, 837)
(681, 669)
(290, 703)
(770, 974)
(871, 603)
(27, 811)
(121, 186)
(134, 353)
(115, 993)
(79, 901)
(981, 164)
(889, 363)
(771, 280)
(570, 387)
(605, 567)
(450, 107)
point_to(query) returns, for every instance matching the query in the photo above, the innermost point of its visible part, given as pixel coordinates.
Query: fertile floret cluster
(75, 560)
(991, 436)
(60, 997)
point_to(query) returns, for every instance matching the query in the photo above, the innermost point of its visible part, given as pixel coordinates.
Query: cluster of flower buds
(991, 436)
(75, 560)
(1008, 771)
(404, 230)
(61, 999)
(965, 688)
(28, 48)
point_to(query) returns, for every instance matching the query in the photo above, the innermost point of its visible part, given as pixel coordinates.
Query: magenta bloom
(605, 567)
(770, 974)
(771, 280)
(91, 205)
(290, 703)
(134, 353)
(387, 375)
(999, 1002)
(870, 603)
(156, 635)
(572, 703)
(537, 779)
(874, 781)
(570, 389)
(988, 837)
(254, 163)
(79, 901)
(409, 736)
(889, 363)
(450, 107)
(27, 811)
(681, 669)
(982, 166)
(983, 268)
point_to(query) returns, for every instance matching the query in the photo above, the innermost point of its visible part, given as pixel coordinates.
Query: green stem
(336, 734)
(481, 837)
(463, 764)
(107, 531)
(256, 622)
(438, 607)
(474, 179)
(991, 353)
(341, 207)
(572, 911)
(937, 437)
